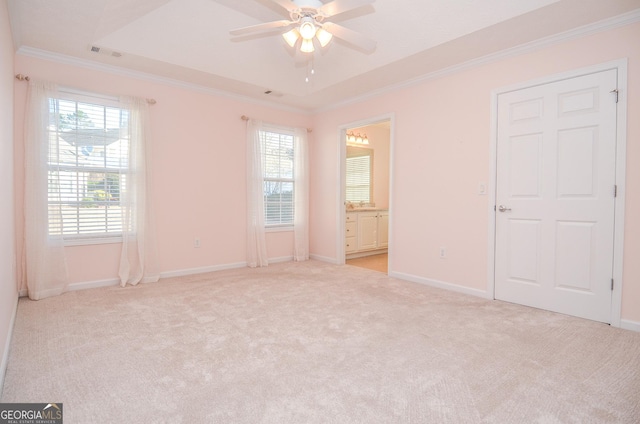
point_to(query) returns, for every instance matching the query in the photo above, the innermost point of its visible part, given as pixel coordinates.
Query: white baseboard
(168, 274)
(324, 259)
(7, 345)
(440, 284)
(281, 259)
(93, 284)
(213, 268)
(84, 285)
(202, 270)
(630, 325)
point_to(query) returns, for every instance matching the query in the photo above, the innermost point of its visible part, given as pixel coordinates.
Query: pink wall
(199, 170)
(8, 289)
(438, 163)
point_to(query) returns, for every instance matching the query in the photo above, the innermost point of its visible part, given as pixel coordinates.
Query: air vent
(105, 52)
(273, 93)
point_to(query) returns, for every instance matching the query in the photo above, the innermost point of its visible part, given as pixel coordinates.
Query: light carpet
(315, 343)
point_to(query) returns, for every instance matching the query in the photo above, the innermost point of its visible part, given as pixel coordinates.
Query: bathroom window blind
(358, 177)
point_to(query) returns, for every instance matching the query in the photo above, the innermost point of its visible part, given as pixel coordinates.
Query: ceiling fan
(308, 20)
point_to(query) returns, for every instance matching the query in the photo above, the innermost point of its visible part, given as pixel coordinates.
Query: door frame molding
(620, 172)
(342, 157)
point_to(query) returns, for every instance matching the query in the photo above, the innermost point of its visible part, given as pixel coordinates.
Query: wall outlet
(443, 252)
(196, 242)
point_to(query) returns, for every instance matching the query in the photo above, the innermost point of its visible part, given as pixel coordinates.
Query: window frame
(355, 152)
(100, 101)
(281, 132)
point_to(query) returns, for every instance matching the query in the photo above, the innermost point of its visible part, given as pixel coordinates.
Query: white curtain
(44, 264)
(256, 244)
(301, 196)
(138, 259)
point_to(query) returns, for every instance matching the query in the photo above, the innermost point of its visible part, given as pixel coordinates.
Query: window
(277, 169)
(358, 175)
(88, 157)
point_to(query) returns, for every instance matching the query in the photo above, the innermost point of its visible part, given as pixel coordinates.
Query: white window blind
(358, 176)
(88, 158)
(277, 166)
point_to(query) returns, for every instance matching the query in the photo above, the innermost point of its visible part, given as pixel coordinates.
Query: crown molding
(586, 30)
(145, 76)
(532, 46)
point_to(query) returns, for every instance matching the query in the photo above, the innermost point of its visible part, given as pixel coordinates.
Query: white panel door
(555, 196)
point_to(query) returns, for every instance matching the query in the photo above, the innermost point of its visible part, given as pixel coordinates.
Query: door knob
(503, 208)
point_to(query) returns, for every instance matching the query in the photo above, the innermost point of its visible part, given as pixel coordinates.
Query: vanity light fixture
(356, 138)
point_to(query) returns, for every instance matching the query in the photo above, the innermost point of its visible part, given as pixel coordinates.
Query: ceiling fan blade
(261, 27)
(339, 6)
(355, 38)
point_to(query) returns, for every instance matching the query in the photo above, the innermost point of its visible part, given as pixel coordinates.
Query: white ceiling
(189, 40)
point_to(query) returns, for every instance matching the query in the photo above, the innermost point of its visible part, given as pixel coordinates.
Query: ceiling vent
(273, 93)
(105, 52)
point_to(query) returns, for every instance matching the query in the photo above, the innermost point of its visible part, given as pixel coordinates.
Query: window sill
(92, 240)
(278, 229)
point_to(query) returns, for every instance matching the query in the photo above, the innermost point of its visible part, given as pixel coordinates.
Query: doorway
(556, 203)
(365, 193)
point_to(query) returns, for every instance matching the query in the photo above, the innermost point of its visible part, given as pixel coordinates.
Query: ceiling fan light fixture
(324, 37)
(309, 20)
(291, 37)
(307, 46)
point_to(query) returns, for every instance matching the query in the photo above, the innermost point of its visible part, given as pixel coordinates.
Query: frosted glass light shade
(307, 46)
(323, 37)
(291, 37)
(307, 29)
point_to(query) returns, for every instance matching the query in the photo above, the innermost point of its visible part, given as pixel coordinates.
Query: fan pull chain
(310, 71)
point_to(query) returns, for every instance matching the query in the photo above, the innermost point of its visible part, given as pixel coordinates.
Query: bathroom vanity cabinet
(367, 232)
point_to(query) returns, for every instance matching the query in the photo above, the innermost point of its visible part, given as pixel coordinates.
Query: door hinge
(615, 190)
(616, 92)
(612, 284)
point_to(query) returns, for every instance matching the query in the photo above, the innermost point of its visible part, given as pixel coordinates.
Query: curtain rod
(246, 118)
(21, 77)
